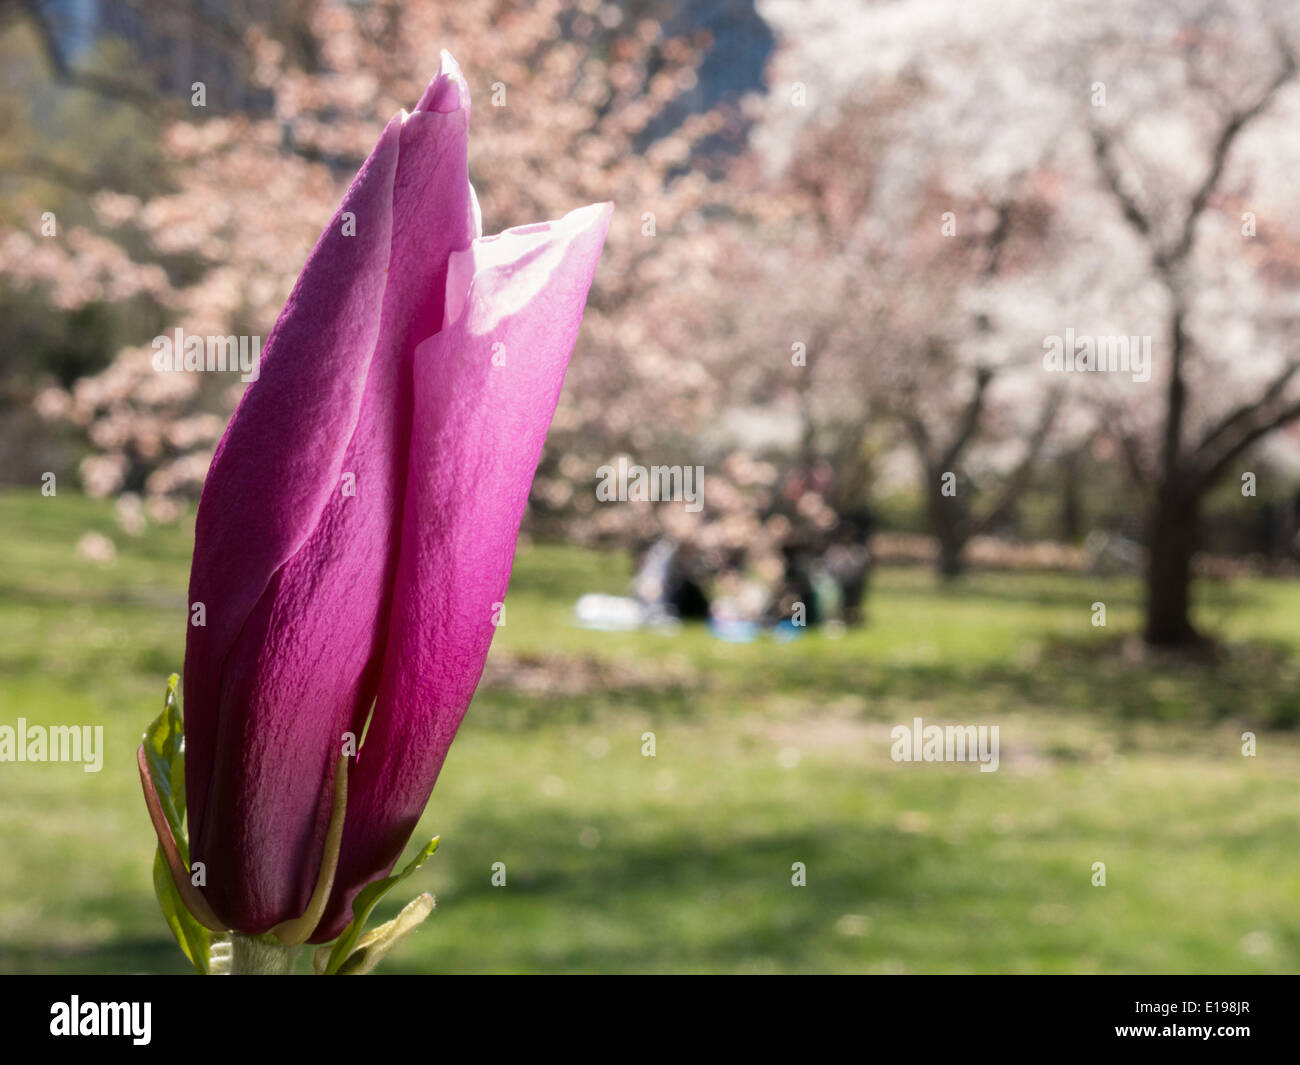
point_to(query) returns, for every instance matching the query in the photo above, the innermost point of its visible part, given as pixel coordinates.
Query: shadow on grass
(158, 955)
(1057, 588)
(1024, 590)
(1256, 683)
(144, 596)
(715, 894)
(740, 904)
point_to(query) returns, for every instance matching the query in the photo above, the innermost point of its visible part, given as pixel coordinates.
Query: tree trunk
(1171, 543)
(1071, 517)
(946, 519)
(951, 562)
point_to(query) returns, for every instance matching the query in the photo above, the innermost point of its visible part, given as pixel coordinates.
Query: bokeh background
(844, 233)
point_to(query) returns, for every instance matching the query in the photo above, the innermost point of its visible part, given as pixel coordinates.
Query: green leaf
(365, 902)
(194, 939)
(164, 749)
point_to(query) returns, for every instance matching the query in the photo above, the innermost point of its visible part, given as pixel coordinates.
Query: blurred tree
(564, 93)
(1164, 211)
(864, 293)
(899, 264)
(1179, 448)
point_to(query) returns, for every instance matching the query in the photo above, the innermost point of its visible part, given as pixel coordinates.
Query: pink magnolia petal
(296, 576)
(282, 453)
(485, 391)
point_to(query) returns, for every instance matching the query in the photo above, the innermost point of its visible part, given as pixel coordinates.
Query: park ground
(766, 754)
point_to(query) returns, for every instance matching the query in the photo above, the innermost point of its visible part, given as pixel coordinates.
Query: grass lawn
(767, 754)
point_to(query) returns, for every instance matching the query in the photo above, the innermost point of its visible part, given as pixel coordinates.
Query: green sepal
(194, 939)
(365, 902)
(378, 942)
(164, 750)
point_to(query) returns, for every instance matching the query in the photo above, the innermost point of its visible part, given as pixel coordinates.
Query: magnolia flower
(357, 527)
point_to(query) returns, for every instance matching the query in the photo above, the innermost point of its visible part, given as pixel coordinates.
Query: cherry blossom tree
(566, 93)
(1219, 245)
(1133, 162)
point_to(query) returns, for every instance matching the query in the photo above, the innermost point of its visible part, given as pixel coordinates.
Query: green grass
(767, 754)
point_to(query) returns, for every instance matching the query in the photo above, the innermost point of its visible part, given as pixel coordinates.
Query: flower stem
(260, 956)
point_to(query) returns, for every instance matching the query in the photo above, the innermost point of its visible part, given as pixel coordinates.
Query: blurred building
(178, 44)
(173, 45)
(733, 65)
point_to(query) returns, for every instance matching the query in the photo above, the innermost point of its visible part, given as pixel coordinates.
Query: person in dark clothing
(849, 561)
(670, 581)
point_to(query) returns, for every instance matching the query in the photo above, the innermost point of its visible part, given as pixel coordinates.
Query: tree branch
(1223, 146)
(1133, 214)
(1248, 410)
(1019, 479)
(1260, 429)
(970, 419)
(1131, 450)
